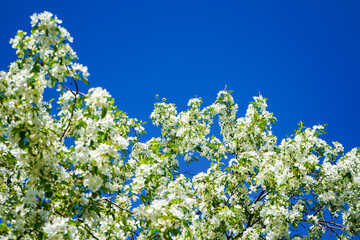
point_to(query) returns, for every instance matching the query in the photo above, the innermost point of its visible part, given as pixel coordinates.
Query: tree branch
(124, 209)
(72, 111)
(90, 232)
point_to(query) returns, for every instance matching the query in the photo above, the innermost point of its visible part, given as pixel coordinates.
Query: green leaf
(22, 139)
(84, 81)
(156, 148)
(53, 82)
(3, 228)
(174, 146)
(35, 69)
(175, 231)
(34, 28)
(103, 113)
(20, 34)
(118, 113)
(83, 124)
(49, 194)
(300, 125)
(348, 175)
(143, 198)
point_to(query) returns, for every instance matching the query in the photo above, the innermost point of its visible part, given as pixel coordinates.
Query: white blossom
(85, 171)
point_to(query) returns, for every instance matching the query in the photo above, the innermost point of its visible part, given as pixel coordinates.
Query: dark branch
(124, 209)
(72, 111)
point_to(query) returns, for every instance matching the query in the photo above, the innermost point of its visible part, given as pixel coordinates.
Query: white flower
(58, 225)
(81, 68)
(97, 97)
(34, 19)
(122, 142)
(45, 16)
(93, 182)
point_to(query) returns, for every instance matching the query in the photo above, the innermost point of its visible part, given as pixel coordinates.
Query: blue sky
(304, 56)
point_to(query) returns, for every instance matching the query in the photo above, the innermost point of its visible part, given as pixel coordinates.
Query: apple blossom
(83, 171)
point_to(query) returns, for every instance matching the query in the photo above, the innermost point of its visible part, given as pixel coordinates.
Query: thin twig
(336, 224)
(67, 88)
(331, 228)
(260, 196)
(90, 232)
(126, 210)
(72, 111)
(325, 224)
